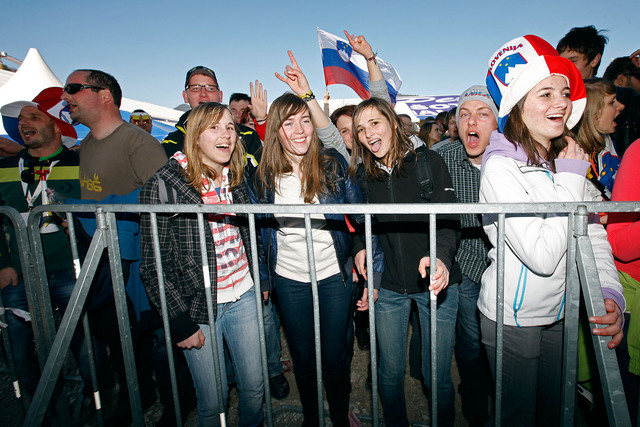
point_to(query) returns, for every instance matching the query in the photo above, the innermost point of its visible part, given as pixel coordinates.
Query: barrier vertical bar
(372, 322)
(612, 389)
(571, 324)
(259, 299)
(120, 296)
(71, 230)
(433, 311)
(165, 318)
(316, 314)
(212, 325)
(500, 317)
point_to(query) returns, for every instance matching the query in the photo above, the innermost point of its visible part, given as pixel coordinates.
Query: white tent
(34, 75)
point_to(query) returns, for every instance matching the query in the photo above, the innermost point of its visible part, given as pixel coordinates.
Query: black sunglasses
(72, 88)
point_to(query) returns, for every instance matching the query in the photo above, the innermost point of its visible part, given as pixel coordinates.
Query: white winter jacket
(536, 245)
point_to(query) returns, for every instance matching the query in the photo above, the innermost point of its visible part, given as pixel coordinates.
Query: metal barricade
(580, 273)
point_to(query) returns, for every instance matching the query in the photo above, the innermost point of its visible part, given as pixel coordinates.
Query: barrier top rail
(386, 208)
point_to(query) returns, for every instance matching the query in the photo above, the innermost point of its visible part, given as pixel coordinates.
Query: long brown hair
(517, 132)
(274, 162)
(590, 138)
(400, 144)
(200, 119)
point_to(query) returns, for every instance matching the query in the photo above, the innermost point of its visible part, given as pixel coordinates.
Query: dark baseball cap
(200, 69)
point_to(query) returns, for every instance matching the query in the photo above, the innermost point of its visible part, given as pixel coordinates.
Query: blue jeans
(237, 323)
(392, 323)
(61, 285)
(473, 366)
(335, 303)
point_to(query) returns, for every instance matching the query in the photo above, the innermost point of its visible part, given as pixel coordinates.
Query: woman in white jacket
(531, 159)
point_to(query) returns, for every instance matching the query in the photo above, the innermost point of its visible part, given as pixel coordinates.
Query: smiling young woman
(532, 159)
(296, 169)
(210, 171)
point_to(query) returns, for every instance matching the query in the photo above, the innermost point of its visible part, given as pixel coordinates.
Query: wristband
(308, 96)
(372, 59)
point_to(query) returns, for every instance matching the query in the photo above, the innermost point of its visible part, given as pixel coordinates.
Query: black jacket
(405, 238)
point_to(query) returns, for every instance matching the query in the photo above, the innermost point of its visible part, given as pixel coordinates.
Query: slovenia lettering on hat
(522, 63)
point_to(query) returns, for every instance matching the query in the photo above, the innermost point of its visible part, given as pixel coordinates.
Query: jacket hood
(500, 145)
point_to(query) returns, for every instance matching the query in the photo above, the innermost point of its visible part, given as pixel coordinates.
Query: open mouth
(473, 139)
(558, 118)
(375, 145)
(225, 147)
(27, 133)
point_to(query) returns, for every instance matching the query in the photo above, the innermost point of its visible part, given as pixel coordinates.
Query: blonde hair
(200, 119)
(274, 161)
(590, 138)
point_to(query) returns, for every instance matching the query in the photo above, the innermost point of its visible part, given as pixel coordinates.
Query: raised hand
(294, 77)
(258, 106)
(359, 44)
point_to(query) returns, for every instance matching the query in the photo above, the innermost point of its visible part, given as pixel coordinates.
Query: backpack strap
(364, 183)
(167, 195)
(423, 174)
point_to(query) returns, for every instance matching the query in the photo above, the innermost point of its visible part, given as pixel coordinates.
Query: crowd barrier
(52, 345)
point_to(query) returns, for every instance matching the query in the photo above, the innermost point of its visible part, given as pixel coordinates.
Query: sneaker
(279, 387)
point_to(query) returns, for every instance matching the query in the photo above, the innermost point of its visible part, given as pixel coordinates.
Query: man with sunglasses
(201, 86)
(142, 119)
(43, 128)
(116, 159)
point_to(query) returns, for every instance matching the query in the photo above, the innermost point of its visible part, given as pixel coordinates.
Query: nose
(619, 106)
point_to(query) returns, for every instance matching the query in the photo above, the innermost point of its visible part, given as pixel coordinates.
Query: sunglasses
(73, 88)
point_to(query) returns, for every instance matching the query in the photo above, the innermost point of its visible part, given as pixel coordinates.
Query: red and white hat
(48, 101)
(522, 63)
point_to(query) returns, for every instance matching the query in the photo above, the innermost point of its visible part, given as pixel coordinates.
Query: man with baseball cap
(476, 118)
(201, 86)
(43, 127)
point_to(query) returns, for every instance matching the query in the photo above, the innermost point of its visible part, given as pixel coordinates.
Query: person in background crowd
(623, 72)
(531, 159)
(584, 47)
(45, 162)
(476, 120)
(201, 86)
(142, 119)
(430, 132)
(593, 135)
(452, 130)
(238, 104)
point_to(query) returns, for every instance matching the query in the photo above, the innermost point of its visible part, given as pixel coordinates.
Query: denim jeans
(392, 322)
(61, 285)
(473, 366)
(237, 323)
(272, 337)
(335, 303)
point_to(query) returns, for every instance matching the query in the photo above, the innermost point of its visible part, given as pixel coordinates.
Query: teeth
(373, 142)
(554, 116)
(473, 134)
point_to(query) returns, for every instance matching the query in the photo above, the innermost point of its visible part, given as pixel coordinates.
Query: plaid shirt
(474, 245)
(180, 251)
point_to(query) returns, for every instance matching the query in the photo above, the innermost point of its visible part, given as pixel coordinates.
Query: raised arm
(377, 84)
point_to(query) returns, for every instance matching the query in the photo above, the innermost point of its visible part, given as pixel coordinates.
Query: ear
(595, 61)
(184, 96)
(619, 81)
(106, 96)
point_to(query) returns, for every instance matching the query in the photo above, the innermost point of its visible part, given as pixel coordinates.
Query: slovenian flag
(344, 66)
